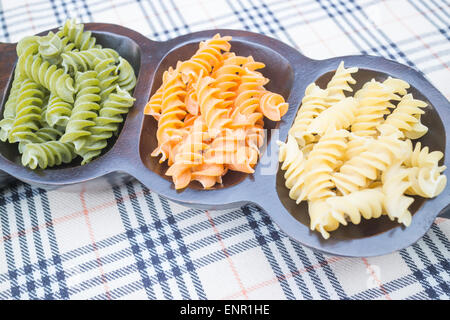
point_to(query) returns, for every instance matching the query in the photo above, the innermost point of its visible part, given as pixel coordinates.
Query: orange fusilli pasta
(210, 112)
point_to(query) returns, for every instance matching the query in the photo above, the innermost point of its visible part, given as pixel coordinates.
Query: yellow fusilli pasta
(312, 105)
(425, 174)
(352, 157)
(340, 83)
(406, 118)
(373, 104)
(339, 116)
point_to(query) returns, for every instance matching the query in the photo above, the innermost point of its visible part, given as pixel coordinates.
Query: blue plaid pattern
(125, 242)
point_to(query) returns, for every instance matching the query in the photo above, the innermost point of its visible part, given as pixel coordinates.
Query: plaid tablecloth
(127, 242)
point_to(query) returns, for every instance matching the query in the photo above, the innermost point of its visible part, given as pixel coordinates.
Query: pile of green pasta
(68, 97)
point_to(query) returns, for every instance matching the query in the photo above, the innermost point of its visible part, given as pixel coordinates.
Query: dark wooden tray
(290, 72)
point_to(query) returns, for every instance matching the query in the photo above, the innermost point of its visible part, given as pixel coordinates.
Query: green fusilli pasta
(47, 154)
(107, 123)
(44, 134)
(50, 48)
(127, 78)
(85, 108)
(106, 74)
(67, 98)
(27, 46)
(58, 111)
(74, 61)
(49, 76)
(82, 40)
(28, 111)
(10, 107)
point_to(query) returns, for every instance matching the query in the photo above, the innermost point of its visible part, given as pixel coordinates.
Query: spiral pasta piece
(355, 173)
(108, 121)
(321, 219)
(83, 40)
(207, 57)
(47, 154)
(58, 111)
(49, 76)
(425, 174)
(50, 48)
(229, 74)
(406, 118)
(366, 203)
(84, 110)
(189, 155)
(28, 111)
(395, 183)
(43, 134)
(422, 157)
(228, 77)
(293, 162)
(127, 78)
(9, 109)
(339, 116)
(313, 103)
(325, 156)
(273, 106)
(74, 61)
(27, 46)
(173, 110)
(211, 106)
(106, 75)
(340, 83)
(373, 104)
(426, 182)
(246, 110)
(153, 107)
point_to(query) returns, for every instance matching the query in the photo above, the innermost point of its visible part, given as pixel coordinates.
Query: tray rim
(118, 157)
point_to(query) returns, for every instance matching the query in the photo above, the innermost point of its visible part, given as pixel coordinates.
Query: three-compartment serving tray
(289, 72)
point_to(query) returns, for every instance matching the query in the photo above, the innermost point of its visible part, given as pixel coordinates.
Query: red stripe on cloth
(363, 28)
(243, 291)
(418, 37)
(94, 244)
(317, 34)
(284, 277)
(69, 217)
(30, 18)
(119, 17)
(213, 22)
(375, 277)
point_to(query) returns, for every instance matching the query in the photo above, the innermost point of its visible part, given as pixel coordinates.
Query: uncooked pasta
(352, 157)
(210, 111)
(67, 98)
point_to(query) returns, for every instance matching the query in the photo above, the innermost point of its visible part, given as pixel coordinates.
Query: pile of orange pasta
(210, 112)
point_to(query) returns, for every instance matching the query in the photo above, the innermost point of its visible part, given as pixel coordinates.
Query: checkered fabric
(125, 242)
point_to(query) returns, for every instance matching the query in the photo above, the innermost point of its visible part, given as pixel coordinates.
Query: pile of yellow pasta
(210, 112)
(352, 157)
